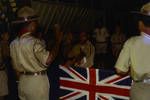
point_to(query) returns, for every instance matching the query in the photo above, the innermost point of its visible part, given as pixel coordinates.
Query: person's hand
(59, 37)
(58, 33)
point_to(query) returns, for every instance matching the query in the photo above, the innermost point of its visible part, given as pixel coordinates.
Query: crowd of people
(108, 45)
(31, 53)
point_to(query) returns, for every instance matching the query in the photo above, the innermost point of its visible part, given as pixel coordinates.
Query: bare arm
(54, 52)
(121, 72)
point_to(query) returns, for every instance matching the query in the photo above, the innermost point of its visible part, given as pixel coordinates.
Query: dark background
(114, 11)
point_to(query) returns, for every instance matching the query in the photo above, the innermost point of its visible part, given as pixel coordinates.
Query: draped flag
(92, 84)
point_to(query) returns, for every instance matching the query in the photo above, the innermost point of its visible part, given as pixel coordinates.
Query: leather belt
(147, 81)
(43, 72)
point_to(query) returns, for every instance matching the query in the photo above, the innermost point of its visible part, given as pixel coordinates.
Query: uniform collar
(25, 34)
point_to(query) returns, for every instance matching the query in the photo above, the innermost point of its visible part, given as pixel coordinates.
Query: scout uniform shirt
(89, 51)
(28, 53)
(136, 56)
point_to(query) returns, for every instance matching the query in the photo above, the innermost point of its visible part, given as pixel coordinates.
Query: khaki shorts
(33, 87)
(140, 91)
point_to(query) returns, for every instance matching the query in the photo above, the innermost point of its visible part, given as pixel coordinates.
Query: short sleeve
(40, 52)
(123, 61)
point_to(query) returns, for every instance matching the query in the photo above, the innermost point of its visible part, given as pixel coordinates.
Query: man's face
(83, 38)
(33, 26)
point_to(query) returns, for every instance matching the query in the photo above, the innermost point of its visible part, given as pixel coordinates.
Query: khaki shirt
(135, 56)
(89, 51)
(28, 54)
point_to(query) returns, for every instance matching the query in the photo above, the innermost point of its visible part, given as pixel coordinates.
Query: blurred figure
(4, 55)
(86, 48)
(50, 37)
(69, 60)
(101, 36)
(117, 40)
(80, 60)
(102, 40)
(67, 44)
(73, 59)
(57, 29)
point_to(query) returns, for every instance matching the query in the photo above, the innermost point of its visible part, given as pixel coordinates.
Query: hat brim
(139, 16)
(23, 20)
(139, 13)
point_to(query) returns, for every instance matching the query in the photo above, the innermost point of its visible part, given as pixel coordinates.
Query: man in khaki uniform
(85, 47)
(30, 58)
(135, 58)
(117, 40)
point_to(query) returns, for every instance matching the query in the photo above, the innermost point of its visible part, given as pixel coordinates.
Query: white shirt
(28, 54)
(136, 56)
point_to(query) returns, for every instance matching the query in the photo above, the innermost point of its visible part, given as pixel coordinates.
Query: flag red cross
(92, 87)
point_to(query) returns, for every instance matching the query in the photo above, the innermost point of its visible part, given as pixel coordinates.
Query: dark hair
(146, 20)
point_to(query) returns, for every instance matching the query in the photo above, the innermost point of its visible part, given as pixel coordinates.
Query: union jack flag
(92, 84)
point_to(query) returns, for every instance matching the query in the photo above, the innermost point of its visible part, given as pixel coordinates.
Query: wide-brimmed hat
(144, 11)
(25, 14)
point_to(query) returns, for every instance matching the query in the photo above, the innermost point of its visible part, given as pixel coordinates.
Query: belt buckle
(147, 81)
(35, 74)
